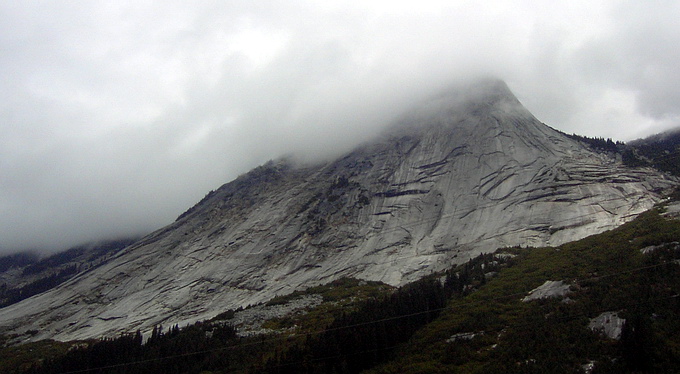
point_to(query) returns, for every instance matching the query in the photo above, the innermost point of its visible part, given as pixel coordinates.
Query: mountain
(661, 151)
(23, 275)
(608, 303)
(466, 172)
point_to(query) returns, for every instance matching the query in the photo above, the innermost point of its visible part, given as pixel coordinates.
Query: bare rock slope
(468, 172)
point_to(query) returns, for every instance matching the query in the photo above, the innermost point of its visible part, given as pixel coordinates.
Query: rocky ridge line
(466, 173)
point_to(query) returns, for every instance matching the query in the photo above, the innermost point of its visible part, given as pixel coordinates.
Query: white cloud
(117, 116)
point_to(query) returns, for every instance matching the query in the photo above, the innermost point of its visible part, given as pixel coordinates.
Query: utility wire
(321, 331)
(401, 227)
(497, 330)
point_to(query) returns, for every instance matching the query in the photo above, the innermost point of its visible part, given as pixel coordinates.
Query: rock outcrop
(468, 172)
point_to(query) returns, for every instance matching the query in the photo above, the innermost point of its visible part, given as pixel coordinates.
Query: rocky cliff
(467, 172)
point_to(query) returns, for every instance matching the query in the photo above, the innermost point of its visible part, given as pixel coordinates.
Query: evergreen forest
(473, 318)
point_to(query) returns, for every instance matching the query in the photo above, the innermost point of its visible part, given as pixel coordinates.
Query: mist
(116, 118)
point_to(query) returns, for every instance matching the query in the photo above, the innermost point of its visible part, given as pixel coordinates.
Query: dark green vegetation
(661, 151)
(469, 320)
(19, 359)
(494, 331)
(600, 144)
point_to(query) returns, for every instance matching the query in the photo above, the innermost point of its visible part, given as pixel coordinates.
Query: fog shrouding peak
(117, 117)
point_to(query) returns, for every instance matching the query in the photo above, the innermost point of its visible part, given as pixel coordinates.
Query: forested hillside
(630, 275)
(469, 319)
(661, 151)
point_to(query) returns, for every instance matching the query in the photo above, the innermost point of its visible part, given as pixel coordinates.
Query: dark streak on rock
(394, 193)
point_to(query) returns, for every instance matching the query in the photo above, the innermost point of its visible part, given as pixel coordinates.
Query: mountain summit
(467, 172)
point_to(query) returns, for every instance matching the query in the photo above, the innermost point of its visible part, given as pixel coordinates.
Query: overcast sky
(117, 116)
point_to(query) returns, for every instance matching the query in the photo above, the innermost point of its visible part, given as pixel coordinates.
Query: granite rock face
(547, 290)
(608, 324)
(467, 172)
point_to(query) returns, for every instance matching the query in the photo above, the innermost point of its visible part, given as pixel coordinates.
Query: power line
(413, 224)
(497, 330)
(377, 321)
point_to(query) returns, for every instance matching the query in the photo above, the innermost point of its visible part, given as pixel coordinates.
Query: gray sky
(117, 116)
